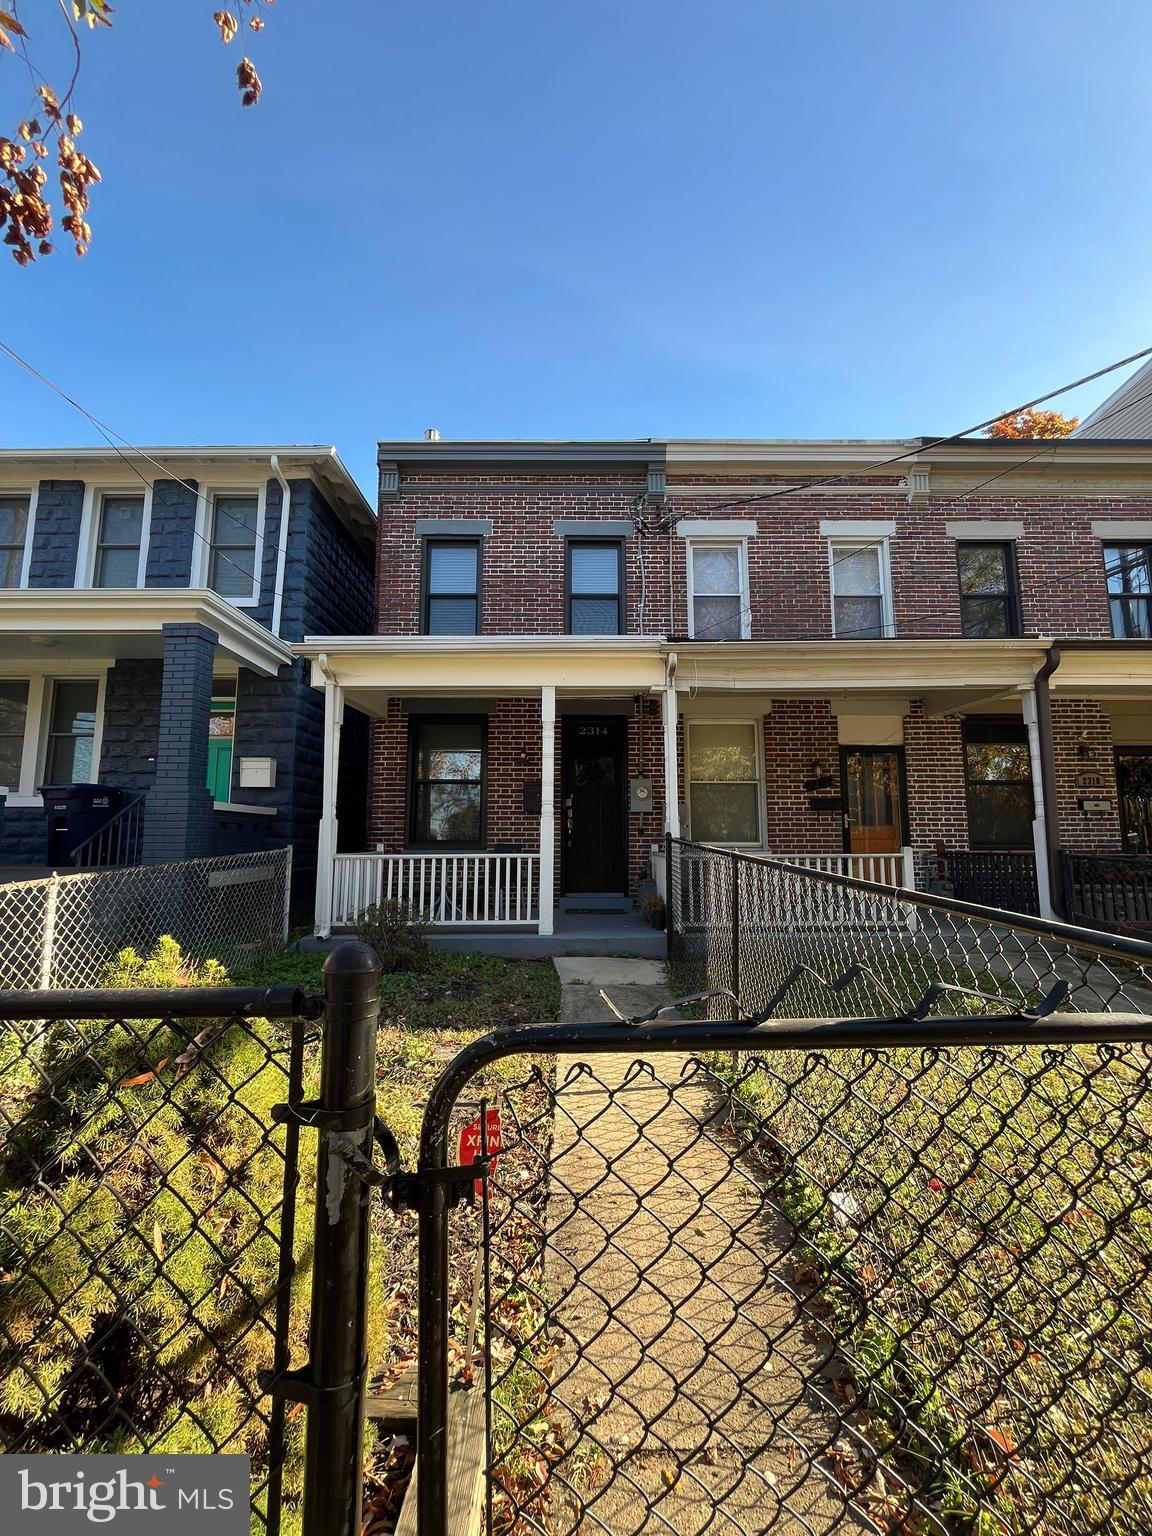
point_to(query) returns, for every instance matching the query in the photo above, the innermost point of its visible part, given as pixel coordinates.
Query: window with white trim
(70, 757)
(724, 781)
(861, 589)
(50, 730)
(13, 724)
(717, 589)
(13, 537)
(119, 537)
(234, 540)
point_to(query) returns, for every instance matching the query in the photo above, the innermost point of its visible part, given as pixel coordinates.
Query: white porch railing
(882, 868)
(477, 889)
(704, 890)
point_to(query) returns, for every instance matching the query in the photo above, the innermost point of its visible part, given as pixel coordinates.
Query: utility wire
(1047, 446)
(109, 433)
(925, 445)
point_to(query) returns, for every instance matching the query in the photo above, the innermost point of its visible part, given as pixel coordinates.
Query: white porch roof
(44, 624)
(372, 668)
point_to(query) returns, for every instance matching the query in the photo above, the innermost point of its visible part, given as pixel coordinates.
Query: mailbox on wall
(257, 773)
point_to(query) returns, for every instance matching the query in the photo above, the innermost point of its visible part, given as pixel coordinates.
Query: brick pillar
(179, 824)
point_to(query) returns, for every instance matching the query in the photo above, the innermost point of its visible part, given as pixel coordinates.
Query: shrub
(396, 931)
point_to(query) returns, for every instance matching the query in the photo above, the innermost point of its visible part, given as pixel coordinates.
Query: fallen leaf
(144, 1077)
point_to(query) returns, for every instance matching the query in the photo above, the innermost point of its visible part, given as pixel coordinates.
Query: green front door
(221, 725)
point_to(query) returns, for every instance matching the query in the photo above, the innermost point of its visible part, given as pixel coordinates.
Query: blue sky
(740, 218)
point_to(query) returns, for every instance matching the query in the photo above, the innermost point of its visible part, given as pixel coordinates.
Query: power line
(925, 446)
(108, 433)
(1047, 446)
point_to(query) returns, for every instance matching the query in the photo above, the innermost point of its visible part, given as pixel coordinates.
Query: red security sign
(471, 1148)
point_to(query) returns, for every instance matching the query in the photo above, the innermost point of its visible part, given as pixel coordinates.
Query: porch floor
(576, 934)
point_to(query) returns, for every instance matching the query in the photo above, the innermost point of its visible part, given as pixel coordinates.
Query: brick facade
(1085, 769)
(1060, 563)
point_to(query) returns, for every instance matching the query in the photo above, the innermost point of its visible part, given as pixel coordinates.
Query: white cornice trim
(476, 645)
(63, 611)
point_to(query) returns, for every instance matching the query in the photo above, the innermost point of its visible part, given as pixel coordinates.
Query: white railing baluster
(481, 889)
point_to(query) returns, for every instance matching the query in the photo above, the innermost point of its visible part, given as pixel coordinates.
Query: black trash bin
(74, 813)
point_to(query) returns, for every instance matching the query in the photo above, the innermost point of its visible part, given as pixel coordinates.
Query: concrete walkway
(685, 1374)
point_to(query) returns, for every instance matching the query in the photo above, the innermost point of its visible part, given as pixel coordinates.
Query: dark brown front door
(873, 799)
(593, 812)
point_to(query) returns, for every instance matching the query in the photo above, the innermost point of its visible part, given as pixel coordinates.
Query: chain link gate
(806, 1276)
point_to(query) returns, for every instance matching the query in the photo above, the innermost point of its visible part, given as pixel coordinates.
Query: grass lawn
(979, 1241)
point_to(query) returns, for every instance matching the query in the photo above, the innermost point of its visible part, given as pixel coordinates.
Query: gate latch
(410, 1191)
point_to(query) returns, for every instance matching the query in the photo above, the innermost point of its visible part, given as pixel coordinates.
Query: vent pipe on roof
(431, 434)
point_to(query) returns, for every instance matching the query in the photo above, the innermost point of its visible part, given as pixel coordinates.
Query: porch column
(326, 842)
(671, 713)
(547, 806)
(1039, 822)
(178, 819)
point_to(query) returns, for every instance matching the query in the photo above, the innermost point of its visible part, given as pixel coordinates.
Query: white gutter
(282, 547)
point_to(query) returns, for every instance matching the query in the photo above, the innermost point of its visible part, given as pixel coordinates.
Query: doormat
(597, 911)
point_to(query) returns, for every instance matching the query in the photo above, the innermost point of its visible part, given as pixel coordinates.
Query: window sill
(232, 808)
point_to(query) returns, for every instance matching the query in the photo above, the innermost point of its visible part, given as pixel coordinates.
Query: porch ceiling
(49, 626)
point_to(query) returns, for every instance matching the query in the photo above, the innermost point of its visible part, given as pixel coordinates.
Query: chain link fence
(146, 1226)
(775, 939)
(64, 930)
(820, 1285)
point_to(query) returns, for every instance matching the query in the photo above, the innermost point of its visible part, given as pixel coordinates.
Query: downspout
(282, 546)
(1048, 778)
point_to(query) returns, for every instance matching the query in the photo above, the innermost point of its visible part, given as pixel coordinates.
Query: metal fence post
(286, 924)
(48, 932)
(734, 866)
(670, 904)
(346, 1110)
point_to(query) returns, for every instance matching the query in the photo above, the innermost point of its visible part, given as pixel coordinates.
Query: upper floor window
(234, 541)
(446, 792)
(717, 590)
(999, 782)
(13, 536)
(594, 588)
(452, 585)
(118, 542)
(989, 601)
(1128, 568)
(861, 590)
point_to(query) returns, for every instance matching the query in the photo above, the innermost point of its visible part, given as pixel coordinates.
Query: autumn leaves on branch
(26, 212)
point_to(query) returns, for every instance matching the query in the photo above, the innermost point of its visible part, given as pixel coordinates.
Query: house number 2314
(593, 730)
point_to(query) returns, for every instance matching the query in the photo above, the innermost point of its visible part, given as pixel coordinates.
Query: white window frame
(757, 724)
(94, 497)
(839, 545)
(715, 541)
(205, 518)
(31, 493)
(34, 757)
